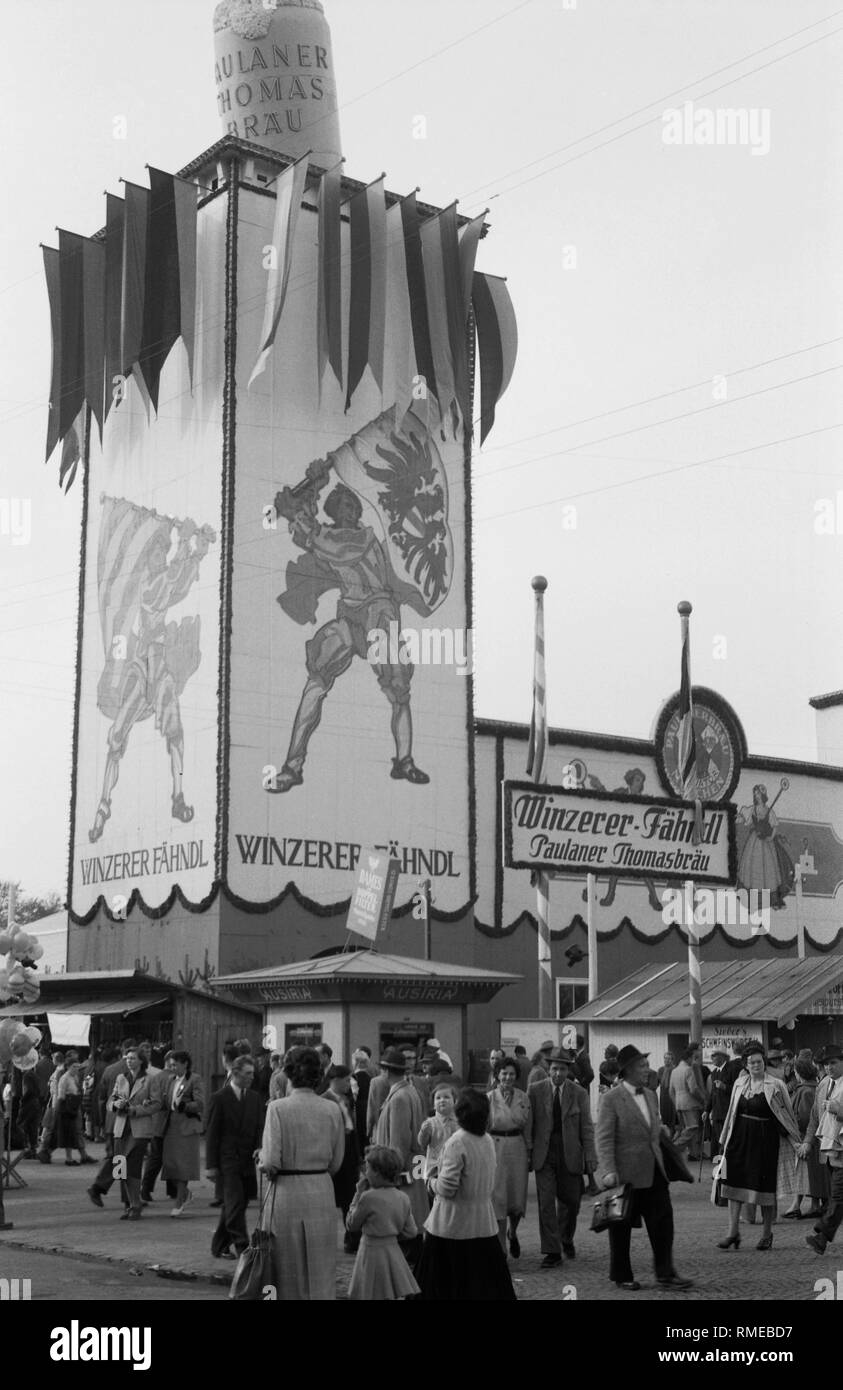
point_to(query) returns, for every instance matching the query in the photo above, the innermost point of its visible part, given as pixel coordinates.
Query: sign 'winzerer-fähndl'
(553, 828)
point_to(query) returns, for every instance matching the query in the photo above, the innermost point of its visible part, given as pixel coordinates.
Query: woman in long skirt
(509, 1116)
(760, 1138)
(303, 1145)
(462, 1260)
(185, 1108)
(811, 1175)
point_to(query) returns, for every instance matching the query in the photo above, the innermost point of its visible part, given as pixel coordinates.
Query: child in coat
(381, 1212)
(437, 1130)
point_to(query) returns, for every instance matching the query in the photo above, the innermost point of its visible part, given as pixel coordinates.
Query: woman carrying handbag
(760, 1139)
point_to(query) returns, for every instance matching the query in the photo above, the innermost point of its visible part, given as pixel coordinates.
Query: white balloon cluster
(18, 978)
(18, 1044)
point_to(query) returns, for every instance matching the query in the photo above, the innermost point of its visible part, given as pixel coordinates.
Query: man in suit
(628, 1151)
(582, 1070)
(826, 1123)
(523, 1064)
(361, 1078)
(232, 1143)
(401, 1116)
(158, 1085)
(561, 1140)
(105, 1176)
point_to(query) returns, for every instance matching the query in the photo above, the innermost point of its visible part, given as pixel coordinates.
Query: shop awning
(126, 1004)
(766, 991)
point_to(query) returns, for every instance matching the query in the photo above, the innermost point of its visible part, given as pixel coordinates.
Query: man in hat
(826, 1123)
(401, 1117)
(560, 1137)
(628, 1151)
(541, 1063)
(436, 1047)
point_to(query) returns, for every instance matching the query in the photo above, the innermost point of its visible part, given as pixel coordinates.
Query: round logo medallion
(719, 744)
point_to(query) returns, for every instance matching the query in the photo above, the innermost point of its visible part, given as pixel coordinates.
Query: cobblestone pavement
(54, 1216)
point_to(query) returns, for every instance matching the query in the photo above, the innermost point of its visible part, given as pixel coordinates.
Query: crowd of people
(430, 1177)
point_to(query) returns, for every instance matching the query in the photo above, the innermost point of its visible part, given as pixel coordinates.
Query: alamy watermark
(427, 646)
(712, 907)
(721, 125)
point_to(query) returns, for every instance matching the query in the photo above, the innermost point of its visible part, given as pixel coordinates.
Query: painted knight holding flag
(397, 477)
(148, 660)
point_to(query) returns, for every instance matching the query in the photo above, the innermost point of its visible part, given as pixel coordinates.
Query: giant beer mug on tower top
(276, 83)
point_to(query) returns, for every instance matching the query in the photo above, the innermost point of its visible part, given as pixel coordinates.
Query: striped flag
(134, 275)
(330, 274)
(53, 278)
(497, 344)
(114, 228)
(289, 193)
(367, 312)
(417, 291)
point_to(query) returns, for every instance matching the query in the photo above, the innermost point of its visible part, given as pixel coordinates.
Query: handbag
(611, 1207)
(718, 1178)
(253, 1272)
(71, 1104)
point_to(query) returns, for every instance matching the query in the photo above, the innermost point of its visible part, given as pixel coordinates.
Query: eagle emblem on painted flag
(398, 471)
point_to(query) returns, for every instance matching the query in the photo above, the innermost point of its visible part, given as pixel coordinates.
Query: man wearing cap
(628, 1151)
(436, 1047)
(826, 1123)
(560, 1140)
(541, 1067)
(401, 1117)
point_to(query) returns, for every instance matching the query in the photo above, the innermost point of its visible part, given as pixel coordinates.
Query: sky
(674, 425)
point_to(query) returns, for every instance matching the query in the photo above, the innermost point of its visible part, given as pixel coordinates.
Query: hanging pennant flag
(73, 450)
(418, 296)
(162, 296)
(376, 199)
(289, 193)
(400, 358)
(457, 333)
(497, 342)
(53, 278)
(436, 294)
(470, 235)
(367, 313)
(186, 195)
(330, 274)
(134, 275)
(115, 216)
(72, 392)
(93, 289)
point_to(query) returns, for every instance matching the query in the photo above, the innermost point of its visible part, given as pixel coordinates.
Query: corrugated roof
(765, 991)
(368, 965)
(125, 1004)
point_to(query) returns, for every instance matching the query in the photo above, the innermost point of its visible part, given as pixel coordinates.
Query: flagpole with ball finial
(537, 770)
(687, 772)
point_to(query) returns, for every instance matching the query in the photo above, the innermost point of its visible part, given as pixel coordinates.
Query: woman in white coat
(303, 1145)
(759, 1141)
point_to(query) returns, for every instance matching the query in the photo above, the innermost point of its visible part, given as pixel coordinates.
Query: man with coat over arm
(560, 1138)
(628, 1151)
(233, 1138)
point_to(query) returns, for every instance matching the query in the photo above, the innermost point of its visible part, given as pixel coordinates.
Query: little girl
(435, 1131)
(382, 1214)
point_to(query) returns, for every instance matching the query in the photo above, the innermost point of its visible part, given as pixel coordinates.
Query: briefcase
(611, 1207)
